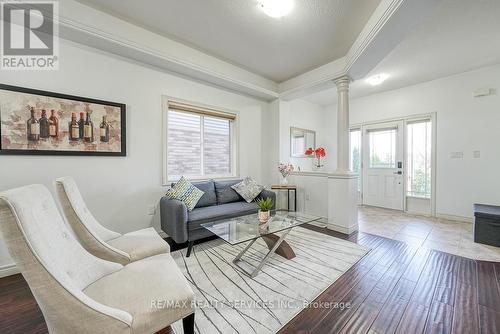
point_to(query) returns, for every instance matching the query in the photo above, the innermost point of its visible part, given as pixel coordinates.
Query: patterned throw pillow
(185, 192)
(248, 189)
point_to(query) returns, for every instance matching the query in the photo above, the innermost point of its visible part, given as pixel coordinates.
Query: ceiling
(462, 35)
(316, 32)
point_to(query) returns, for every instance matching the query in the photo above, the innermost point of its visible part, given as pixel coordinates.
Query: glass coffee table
(248, 229)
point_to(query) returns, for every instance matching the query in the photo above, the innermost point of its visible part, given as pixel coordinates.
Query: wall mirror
(300, 141)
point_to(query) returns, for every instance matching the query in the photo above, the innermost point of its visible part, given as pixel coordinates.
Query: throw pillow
(186, 192)
(248, 189)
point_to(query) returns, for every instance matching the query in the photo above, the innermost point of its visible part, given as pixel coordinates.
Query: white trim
(433, 163)
(324, 222)
(455, 218)
(309, 173)
(8, 270)
(117, 36)
(349, 175)
(392, 119)
(234, 138)
(418, 213)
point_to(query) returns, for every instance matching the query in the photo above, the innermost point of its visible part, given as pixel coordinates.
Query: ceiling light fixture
(277, 8)
(377, 79)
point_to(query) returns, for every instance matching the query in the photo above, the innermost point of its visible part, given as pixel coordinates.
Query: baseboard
(324, 222)
(455, 218)
(416, 213)
(8, 270)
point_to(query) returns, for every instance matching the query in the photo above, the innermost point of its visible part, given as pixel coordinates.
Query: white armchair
(98, 240)
(80, 293)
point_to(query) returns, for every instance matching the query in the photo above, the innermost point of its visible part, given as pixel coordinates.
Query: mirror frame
(292, 129)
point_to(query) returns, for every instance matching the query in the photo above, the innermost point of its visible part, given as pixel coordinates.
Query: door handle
(398, 172)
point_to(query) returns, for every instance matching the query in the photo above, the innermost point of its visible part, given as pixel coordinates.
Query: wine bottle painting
(39, 122)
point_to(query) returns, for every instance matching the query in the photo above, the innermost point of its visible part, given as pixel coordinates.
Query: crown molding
(387, 26)
(108, 33)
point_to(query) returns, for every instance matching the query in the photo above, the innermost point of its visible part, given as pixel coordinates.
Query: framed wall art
(35, 122)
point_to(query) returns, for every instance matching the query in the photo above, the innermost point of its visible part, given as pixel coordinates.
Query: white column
(343, 185)
(343, 125)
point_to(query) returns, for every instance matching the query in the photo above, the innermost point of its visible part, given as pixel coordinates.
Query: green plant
(265, 204)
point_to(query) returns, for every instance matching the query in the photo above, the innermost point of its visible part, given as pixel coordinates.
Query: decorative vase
(284, 180)
(317, 164)
(264, 216)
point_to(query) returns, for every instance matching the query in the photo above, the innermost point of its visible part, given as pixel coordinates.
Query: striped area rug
(228, 301)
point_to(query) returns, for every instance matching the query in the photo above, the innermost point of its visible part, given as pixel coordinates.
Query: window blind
(199, 142)
(179, 106)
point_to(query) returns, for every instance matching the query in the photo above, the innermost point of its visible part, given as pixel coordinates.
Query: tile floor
(420, 231)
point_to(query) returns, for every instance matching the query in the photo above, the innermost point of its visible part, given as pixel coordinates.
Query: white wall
(307, 115)
(464, 124)
(312, 194)
(119, 190)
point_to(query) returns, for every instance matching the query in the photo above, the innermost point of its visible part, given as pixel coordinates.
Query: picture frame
(21, 135)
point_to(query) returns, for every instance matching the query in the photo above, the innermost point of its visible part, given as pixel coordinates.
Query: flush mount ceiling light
(277, 8)
(377, 79)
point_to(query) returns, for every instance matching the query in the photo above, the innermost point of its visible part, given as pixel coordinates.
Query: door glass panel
(355, 153)
(382, 148)
(419, 159)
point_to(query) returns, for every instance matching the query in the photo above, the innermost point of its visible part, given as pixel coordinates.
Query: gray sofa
(219, 201)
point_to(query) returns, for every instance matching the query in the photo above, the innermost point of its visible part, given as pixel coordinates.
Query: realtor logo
(29, 35)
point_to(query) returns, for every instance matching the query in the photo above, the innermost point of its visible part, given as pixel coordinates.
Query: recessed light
(377, 79)
(277, 8)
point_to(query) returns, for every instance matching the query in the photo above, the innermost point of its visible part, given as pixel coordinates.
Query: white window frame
(430, 157)
(234, 138)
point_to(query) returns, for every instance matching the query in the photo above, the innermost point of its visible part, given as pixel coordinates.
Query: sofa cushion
(226, 194)
(248, 189)
(185, 192)
(209, 197)
(211, 213)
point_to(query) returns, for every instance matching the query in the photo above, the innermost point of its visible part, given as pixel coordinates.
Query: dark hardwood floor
(395, 288)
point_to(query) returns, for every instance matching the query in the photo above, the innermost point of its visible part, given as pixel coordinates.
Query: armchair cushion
(141, 244)
(144, 289)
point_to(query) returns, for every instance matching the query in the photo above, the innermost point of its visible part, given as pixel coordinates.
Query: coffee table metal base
(266, 258)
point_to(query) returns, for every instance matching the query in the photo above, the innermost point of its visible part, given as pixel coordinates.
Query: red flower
(320, 152)
(309, 151)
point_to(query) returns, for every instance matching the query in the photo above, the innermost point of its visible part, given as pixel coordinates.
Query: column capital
(342, 82)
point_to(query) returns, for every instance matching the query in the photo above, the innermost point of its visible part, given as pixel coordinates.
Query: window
(199, 143)
(383, 148)
(419, 158)
(355, 142)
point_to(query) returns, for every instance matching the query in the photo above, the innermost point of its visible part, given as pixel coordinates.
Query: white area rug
(231, 302)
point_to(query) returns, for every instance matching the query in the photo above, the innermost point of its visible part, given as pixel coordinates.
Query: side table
(288, 188)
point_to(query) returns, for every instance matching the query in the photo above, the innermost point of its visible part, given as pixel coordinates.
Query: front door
(383, 182)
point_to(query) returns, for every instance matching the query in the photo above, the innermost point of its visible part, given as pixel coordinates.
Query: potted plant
(265, 206)
(318, 153)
